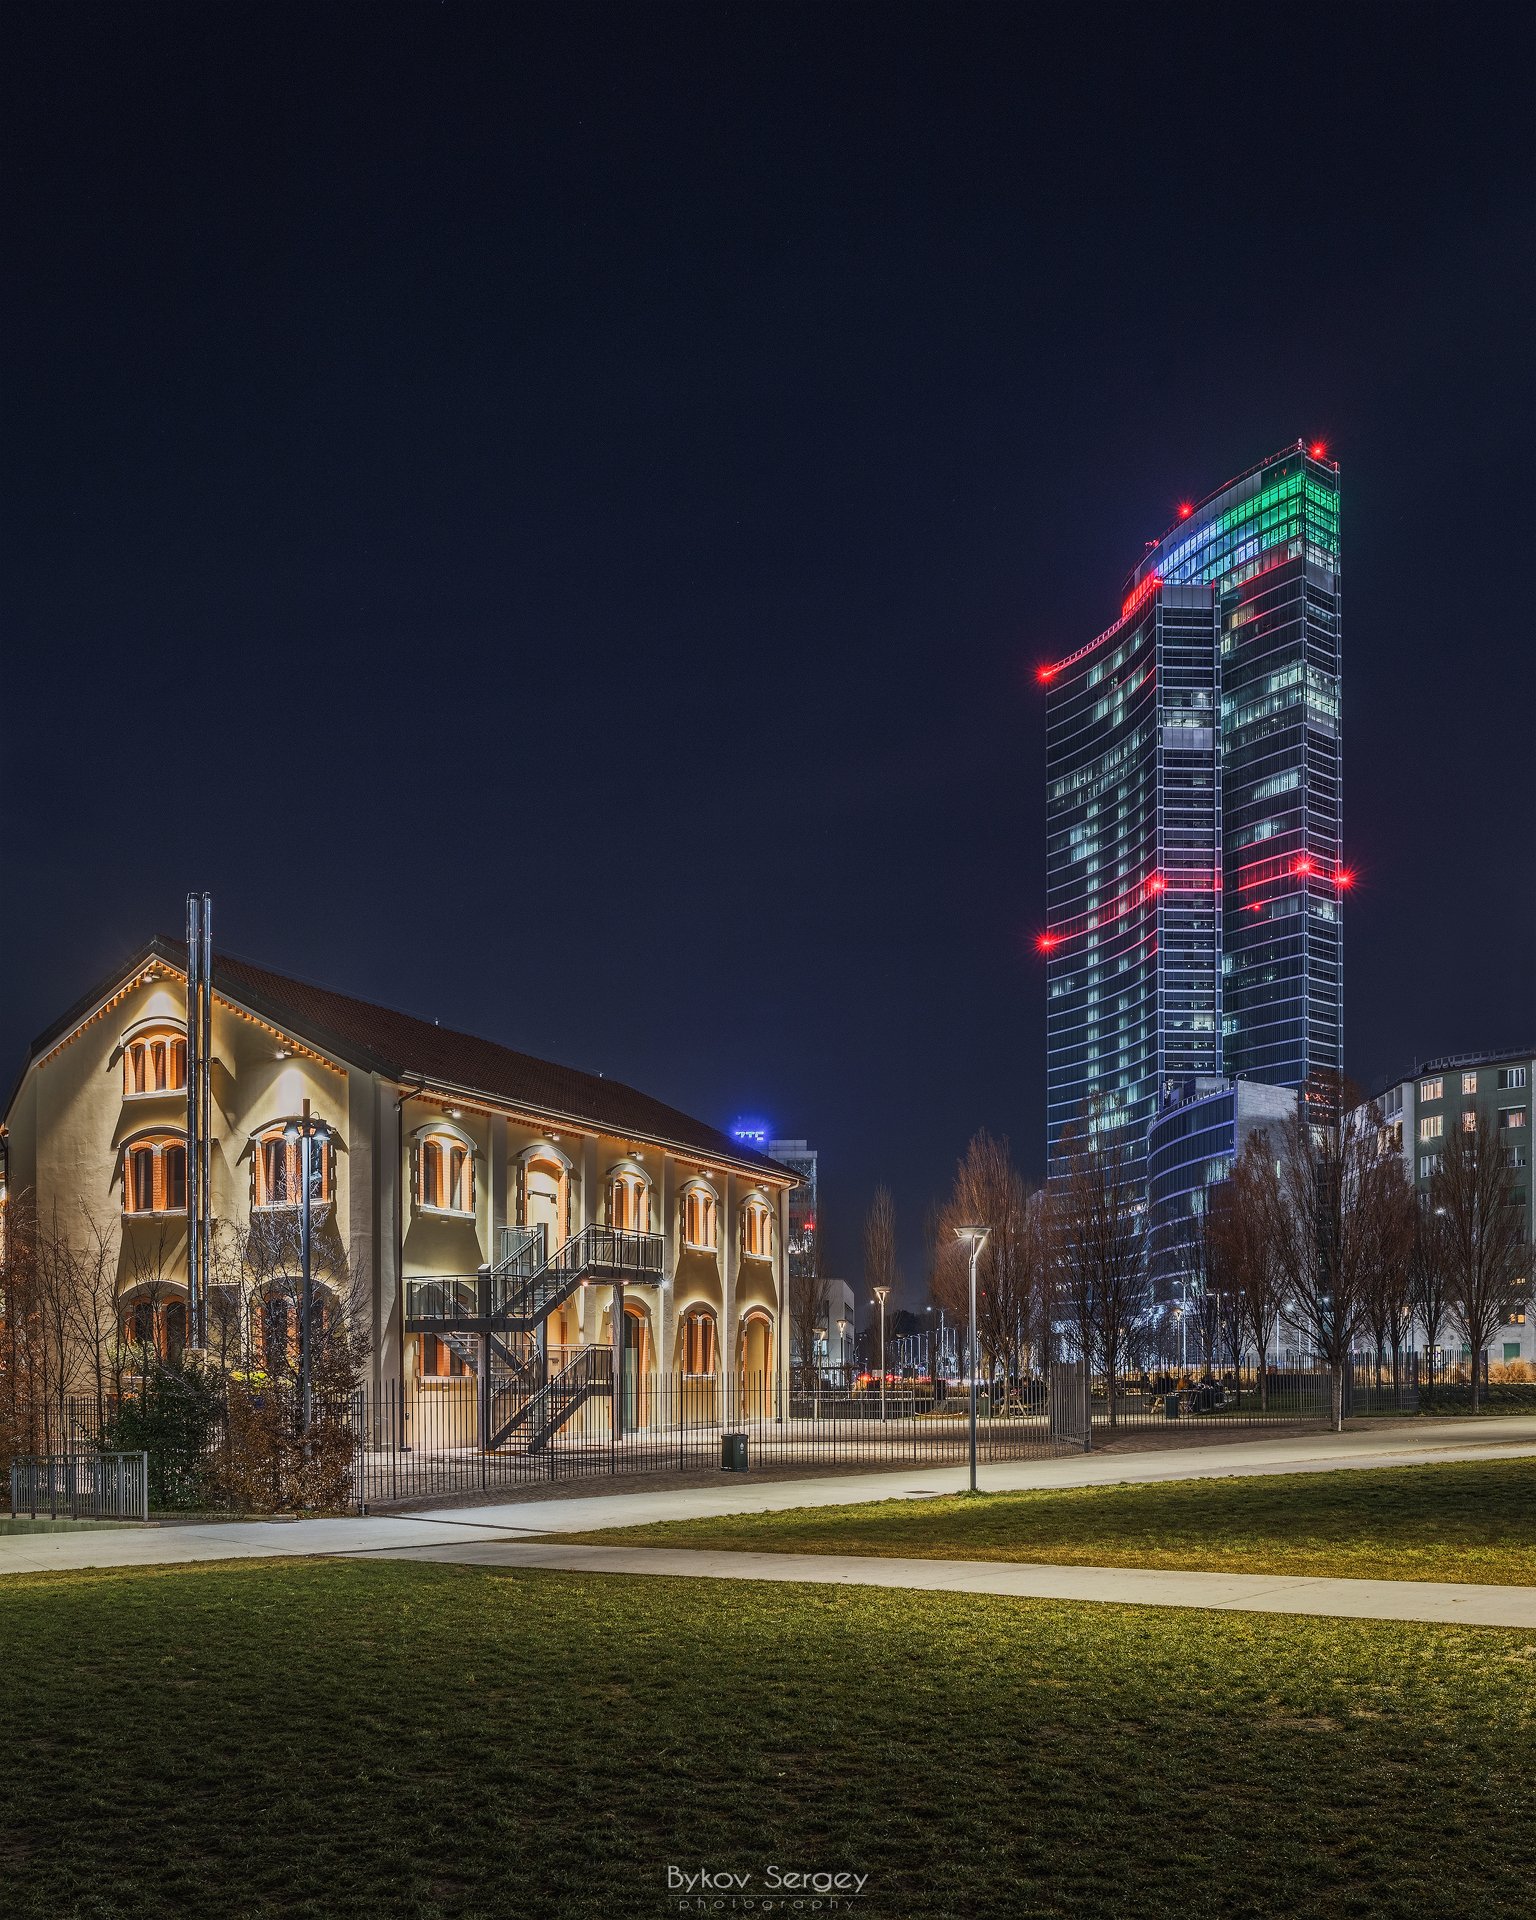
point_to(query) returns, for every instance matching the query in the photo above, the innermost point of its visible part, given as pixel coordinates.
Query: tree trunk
(1476, 1380)
(1336, 1385)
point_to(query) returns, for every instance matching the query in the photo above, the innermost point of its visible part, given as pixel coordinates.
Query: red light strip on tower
(1135, 600)
(1143, 894)
(1291, 866)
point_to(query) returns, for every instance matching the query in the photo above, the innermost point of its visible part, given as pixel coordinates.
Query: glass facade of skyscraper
(1269, 545)
(1194, 860)
(1133, 855)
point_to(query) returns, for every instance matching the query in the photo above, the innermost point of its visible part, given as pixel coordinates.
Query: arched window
(278, 1170)
(696, 1342)
(155, 1176)
(139, 1324)
(700, 1218)
(274, 1332)
(629, 1202)
(445, 1173)
(162, 1328)
(757, 1230)
(155, 1061)
(546, 1198)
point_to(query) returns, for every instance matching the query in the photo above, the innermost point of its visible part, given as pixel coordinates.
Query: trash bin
(1170, 1406)
(733, 1453)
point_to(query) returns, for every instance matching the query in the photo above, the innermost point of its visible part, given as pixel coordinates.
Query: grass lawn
(375, 1738)
(1474, 1521)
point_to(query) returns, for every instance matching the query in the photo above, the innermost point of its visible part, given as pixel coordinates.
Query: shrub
(267, 1467)
(175, 1419)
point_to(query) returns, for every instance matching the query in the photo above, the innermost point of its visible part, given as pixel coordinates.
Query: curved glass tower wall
(1133, 857)
(1194, 859)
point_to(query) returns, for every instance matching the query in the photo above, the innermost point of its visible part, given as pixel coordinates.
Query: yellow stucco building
(491, 1209)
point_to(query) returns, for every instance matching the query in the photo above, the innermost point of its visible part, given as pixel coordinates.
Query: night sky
(550, 514)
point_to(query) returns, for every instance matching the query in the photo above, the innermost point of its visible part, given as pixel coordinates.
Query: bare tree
(1319, 1220)
(1484, 1238)
(1099, 1245)
(23, 1389)
(1242, 1207)
(90, 1257)
(1201, 1263)
(880, 1241)
(808, 1304)
(1387, 1221)
(1429, 1290)
(1012, 1267)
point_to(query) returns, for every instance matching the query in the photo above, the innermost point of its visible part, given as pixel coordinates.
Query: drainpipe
(406, 1093)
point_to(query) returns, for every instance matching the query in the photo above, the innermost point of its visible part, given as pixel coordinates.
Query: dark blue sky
(550, 514)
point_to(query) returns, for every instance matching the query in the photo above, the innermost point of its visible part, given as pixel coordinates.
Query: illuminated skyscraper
(1194, 860)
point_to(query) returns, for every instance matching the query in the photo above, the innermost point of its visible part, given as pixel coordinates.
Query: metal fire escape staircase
(477, 1316)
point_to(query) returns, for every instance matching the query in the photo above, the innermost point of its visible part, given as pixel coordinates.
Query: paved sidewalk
(1408, 1444)
(1123, 1586)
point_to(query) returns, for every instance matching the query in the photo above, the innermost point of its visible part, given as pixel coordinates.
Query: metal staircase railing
(518, 1296)
(538, 1416)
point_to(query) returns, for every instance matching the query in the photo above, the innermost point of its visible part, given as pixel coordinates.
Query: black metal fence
(437, 1437)
(424, 1441)
(88, 1485)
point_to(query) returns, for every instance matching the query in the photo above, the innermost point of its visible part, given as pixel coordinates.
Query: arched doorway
(754, 1364)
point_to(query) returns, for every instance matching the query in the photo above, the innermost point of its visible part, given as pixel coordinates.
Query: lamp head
(882, 1294)
(291, 1132)
(972, 1236)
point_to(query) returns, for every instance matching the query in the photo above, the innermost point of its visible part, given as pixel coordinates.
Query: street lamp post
(309, 1133)
(975, 1238)
(882, 1294)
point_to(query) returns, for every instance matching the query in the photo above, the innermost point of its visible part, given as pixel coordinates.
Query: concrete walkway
(1124, 1586)
(1402, 1444)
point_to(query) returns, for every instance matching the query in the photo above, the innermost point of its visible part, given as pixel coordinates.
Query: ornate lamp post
(975, 1238)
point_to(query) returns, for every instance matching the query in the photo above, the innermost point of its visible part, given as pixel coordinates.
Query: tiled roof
(403, 1047)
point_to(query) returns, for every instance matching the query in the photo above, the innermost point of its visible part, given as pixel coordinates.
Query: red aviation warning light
(1185, 509)
(1344, 878)
(1047, 942)
(1045, 675)
(1318, 449)
(1302, 865)
(1157, 884)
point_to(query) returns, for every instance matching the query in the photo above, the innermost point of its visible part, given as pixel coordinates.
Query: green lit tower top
(1268, 544)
